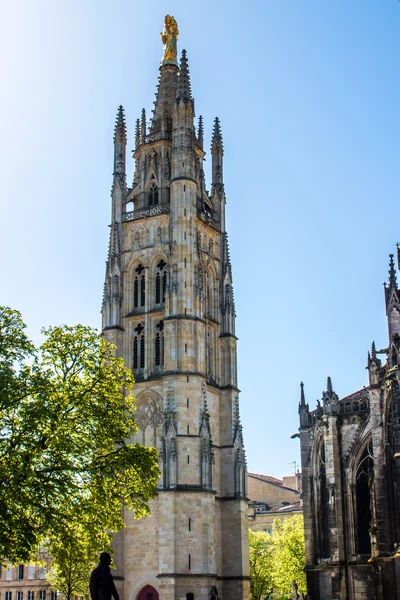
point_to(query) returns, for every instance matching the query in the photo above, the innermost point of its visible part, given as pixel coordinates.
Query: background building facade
(350, 452)
(168, 307)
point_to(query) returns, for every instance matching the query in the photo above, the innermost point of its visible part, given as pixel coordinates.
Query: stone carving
(153, 160)
(153, 211)
(167, 167)
(149, 413)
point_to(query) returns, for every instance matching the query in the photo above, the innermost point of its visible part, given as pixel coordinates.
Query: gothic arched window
(161, 282)
(153, 195)
(159, 345)
(364, 477)
(138, 347)
(323, 508)
(139, 287)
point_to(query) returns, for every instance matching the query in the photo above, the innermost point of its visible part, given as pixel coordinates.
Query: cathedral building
(350, 453)
(168, 307)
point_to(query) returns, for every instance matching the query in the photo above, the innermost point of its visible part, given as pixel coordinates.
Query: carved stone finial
(169, 36)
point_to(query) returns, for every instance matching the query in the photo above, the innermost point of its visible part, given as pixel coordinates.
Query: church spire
(120, 142)
(302, 397)
(217, 153)
(303, 408)
(161, 122)
(143, 131)
(120, 127)
(200, 132)
(392, 300)
(137, 133)
(392, 273)
(184, 91)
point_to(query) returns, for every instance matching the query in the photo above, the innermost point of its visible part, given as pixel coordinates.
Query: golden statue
(169, 35)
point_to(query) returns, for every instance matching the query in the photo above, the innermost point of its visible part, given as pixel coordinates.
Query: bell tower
(169, 308)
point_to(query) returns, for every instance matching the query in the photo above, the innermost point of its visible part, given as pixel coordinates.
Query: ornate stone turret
(329, 399)
(200, 132)
(392, 301)
(374, 365)
(303, 408)
(217, 152)
(228, 302)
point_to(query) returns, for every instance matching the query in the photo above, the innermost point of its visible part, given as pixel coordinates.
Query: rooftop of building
(272, 481)
(282, 507)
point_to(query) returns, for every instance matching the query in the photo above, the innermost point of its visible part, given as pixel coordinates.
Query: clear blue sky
(308, 96)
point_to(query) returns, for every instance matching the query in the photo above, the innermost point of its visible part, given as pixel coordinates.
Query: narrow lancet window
(159, 344)
(364, 481)
(138, 347)
(161, 282)
(139, 287)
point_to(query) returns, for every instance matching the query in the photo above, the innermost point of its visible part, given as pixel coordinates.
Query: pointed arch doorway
(148, 593)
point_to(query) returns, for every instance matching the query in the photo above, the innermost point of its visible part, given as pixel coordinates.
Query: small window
(153, 195)
(8, 596)
(20, 572)
(20, 595)
(129, 207)
(53, 595)
(9, 573)
(31, 595)
(190, 596)
(42, 573)
(42, 595)
(31, 571)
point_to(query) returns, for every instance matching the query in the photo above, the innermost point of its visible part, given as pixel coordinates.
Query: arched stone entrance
(148, 593)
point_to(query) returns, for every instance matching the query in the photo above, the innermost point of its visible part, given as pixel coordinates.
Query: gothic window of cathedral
(363, 500)
(129, 207)
(153, 195)
(139, 287)
(159, 345)
(323, 508)
(161, 282)
(138, 347)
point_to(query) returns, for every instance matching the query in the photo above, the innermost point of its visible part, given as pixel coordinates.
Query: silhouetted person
(102, 585)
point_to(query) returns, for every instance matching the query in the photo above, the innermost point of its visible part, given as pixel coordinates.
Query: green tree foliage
(66, 413)
(277, 559)
(73, 558)
(289, 555)
(261, 564)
